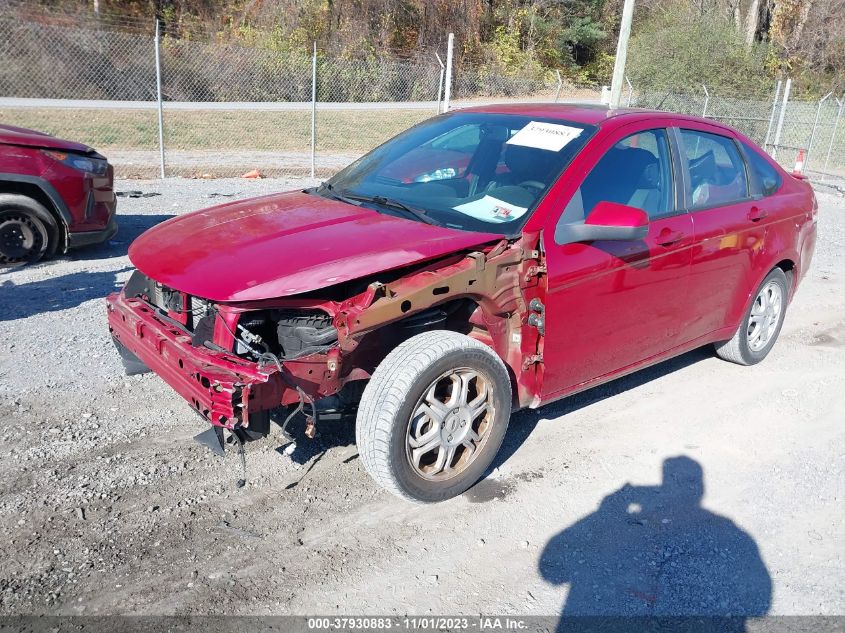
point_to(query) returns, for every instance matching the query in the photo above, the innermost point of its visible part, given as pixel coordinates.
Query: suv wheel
(433, 416)
(762, 323)
(27, 230)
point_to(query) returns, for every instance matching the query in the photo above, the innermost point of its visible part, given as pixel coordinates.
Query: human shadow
(18, 301)
(652, 555)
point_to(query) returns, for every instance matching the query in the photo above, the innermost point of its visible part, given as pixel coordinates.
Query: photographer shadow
(651, 557)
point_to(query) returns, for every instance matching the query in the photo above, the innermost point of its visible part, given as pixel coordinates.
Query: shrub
(678, 49)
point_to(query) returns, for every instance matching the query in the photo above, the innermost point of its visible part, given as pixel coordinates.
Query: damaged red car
(55, 195)
(535, 251)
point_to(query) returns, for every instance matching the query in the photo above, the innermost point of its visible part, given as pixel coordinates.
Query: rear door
(611, 304)
(729, 223)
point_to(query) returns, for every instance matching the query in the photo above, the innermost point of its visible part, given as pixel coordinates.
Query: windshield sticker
(491, 209)
(548, 136)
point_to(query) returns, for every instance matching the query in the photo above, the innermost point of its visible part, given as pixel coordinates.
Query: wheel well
(454, 315)
(463, 316)
(35, 192)
(788, 268)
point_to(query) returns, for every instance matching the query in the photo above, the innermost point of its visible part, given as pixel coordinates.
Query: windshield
(473, 171)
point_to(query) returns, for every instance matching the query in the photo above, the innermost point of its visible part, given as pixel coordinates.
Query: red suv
(536, 251)
(54, 195)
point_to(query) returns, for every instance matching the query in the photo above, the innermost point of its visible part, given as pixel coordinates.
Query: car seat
(523, 164)
(626, 175)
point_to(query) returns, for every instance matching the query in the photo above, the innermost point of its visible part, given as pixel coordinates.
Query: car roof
(589, 113)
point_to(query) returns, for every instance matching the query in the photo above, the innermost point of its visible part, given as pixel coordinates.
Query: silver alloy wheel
(765, 316)
(450, 424)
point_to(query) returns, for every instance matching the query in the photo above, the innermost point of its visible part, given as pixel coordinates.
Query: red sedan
(534, 252)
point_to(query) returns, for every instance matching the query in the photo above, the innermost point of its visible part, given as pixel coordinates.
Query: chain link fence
(229, 109)
(57, 60)
(750, 116)
(226, 109)
(813, 131)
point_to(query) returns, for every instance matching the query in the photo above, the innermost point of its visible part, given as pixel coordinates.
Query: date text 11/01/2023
(430, 623)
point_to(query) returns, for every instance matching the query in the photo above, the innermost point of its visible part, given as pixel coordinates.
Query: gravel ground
(108, 507)
(214, 163)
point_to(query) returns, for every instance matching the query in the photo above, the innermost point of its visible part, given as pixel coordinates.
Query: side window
(717, 170)
(636, 172)
(768, 178)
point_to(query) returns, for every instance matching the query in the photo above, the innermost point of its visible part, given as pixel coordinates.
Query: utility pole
(621, 54)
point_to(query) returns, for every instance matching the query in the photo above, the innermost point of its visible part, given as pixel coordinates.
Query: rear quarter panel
(790, 234)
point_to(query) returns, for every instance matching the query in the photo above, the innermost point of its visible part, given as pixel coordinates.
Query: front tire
(761, 325)
(27, 230)
(433, 416)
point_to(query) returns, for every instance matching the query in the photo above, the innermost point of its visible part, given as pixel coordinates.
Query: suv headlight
(97, 166)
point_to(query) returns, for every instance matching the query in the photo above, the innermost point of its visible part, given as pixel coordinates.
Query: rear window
(716, 169)
(767, 177)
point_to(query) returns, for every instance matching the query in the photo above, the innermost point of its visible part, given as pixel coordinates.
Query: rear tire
(761, 325)
(433, 416)
(27, 230)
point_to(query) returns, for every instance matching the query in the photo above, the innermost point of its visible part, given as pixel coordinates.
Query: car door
(729, 225)
(611, 304)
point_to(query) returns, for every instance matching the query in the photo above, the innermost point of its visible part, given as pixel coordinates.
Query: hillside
(728, 44)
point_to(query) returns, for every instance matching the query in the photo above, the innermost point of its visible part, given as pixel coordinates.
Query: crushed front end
(216, 357)
(236, 362)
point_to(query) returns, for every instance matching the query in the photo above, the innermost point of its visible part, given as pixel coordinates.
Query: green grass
(338, 132)
(124, 129)
(243, 130)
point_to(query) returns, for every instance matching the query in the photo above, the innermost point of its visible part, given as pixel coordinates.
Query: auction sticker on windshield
(491, 209)
(550, 136)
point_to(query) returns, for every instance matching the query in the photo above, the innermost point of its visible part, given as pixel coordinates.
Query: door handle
(667, 237)
(756, 214)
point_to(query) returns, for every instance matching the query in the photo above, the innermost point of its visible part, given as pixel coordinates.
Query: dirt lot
(108, 506)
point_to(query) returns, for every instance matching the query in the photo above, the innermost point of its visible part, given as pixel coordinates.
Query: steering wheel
(533, 184)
